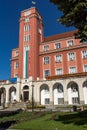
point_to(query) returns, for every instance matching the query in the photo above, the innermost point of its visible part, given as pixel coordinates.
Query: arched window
(60, 88)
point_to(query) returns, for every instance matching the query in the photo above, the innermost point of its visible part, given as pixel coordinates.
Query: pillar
(51, 94)
(80, 89)
(7, 98)
(65, 90)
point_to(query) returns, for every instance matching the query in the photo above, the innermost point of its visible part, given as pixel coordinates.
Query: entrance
(26, 95)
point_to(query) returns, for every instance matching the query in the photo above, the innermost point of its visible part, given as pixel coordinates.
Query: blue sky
(9, 27)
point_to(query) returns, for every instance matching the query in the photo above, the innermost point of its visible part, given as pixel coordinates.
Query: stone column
(65, 92)
(18, 90)
(7, 98)
(37, 93)
(80, 89)
(51, 94)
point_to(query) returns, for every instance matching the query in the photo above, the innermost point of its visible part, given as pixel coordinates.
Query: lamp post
(32, 97)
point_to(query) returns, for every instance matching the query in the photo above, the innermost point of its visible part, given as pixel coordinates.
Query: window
(16, 53)
(46, 48)
(58, 58)
(84, 54)
(71, 56)
(46, 60)
(47, 100)
(57, 45)
(16, 65)
(75, 100)
(60, 88)
(46, 90)
(26, 28)
(60, 100)
(85, 68)
(26, 20)
(26, 38)
(46, 73)
(70, 43)
(72, 70)
(58, 71)
(74, 89)
(16, 75)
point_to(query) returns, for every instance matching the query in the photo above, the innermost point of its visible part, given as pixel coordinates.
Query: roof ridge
(59, 36)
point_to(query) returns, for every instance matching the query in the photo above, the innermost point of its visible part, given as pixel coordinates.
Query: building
(56, 65)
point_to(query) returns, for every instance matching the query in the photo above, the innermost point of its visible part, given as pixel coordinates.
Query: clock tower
(30, 37)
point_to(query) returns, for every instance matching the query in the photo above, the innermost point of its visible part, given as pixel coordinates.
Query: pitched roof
(60, 36)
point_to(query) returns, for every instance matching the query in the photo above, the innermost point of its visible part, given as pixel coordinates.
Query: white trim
(84, 67)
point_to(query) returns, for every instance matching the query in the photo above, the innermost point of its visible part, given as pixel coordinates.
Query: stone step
(17, 105)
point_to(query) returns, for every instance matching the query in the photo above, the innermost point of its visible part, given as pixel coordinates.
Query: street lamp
(32, 97)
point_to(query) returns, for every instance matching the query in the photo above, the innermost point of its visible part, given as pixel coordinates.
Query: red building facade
(38, 56)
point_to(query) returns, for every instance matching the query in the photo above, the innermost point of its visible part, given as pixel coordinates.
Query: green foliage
(47, 121)
(74, 14)
(36, 107)
(51, 121)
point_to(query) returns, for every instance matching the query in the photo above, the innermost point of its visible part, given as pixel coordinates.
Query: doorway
(26, 95)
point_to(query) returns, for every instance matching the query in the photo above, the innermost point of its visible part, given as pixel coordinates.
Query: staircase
(18, 105)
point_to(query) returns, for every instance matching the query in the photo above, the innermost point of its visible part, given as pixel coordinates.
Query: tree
(74, 14)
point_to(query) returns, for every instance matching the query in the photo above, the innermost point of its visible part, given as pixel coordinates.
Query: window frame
(46, 47)
(46, 75)
(70, 69)
(45, 60)
(70, 44)
(84, 56)
(57, 45)
(58, 58)
(72, 57)
(47, 101)
(27, 19)
(59, 72)
(16, 65)
(84, 69)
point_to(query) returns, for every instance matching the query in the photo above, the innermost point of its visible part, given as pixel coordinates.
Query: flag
(33, 2)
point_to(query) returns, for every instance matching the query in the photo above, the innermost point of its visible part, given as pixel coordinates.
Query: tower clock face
(27, 13)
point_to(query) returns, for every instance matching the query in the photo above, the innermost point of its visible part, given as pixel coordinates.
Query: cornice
(15, 58)
(66, 76)
(63, 49)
